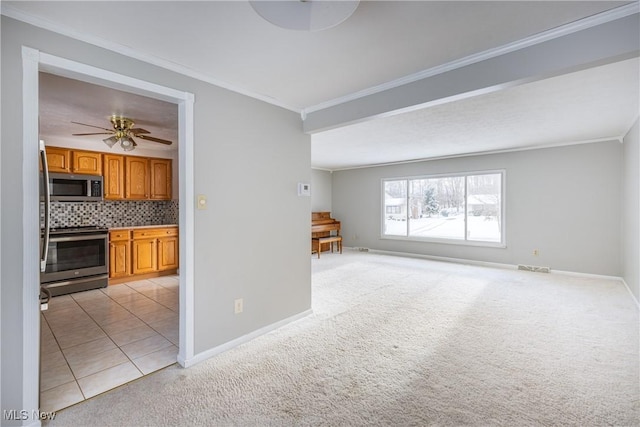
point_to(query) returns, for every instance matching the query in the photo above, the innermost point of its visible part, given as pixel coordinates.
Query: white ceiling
(228, 44)
(596, 104)
(64, 100)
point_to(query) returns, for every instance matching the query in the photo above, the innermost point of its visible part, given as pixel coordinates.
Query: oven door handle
(55, 239)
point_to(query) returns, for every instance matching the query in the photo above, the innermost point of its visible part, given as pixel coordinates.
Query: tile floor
(93, 341)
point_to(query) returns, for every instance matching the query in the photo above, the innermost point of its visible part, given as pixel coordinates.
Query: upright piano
(322, 226)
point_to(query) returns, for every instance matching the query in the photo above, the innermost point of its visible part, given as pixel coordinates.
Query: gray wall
(249, 157)
(631, 210)
(320, 190)
(564, 201)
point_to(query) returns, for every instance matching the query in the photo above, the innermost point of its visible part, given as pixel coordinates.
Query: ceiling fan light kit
(122, 133)
(127, 143)
(111, 141)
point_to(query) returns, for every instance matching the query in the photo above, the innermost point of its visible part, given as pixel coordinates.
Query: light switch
(201, 201)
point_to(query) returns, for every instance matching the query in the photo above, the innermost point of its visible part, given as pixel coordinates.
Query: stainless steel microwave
(64, 187)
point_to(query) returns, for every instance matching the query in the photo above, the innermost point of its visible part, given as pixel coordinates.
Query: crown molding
(591, 21)
(617, 138)
(19, 15)
(321, 169)
(554, 33)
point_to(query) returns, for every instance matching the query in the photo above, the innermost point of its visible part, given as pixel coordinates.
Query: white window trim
(460, 242)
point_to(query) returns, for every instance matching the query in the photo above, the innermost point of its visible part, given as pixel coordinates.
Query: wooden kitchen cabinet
(158, 249)
(58, 159)
(65, 160)
(167, 253)
(147, 178)
(160, 181)
(119, 253)
(142, 253)
(145, 256)
(113, 173)
(125, 177)
(136, 177)
(86, 162)
(154, 233)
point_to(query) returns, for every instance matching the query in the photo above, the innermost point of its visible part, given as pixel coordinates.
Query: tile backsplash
(108, 214)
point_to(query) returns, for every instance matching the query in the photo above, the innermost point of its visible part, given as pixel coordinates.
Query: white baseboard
(200, 357)
(499, 265)
(586, 275)
(626, 285)
(446, 259)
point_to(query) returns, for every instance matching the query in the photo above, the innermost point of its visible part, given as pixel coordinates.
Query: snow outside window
(459, 208)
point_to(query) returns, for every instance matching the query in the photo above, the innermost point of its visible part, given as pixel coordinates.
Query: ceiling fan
(123, 133)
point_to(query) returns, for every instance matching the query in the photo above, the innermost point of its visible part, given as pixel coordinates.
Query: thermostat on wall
(304, 189)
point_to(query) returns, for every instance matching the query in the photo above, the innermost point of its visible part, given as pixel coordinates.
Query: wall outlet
(535, 252)
(238, 306)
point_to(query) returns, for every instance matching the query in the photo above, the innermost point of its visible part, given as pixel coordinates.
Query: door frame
(33, 62)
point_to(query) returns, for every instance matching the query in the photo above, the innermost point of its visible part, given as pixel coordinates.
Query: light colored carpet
(400, 341)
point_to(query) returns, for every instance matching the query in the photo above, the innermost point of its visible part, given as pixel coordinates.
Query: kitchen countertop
(142, 226)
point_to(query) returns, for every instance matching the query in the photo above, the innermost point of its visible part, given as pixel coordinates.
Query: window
(457, 208)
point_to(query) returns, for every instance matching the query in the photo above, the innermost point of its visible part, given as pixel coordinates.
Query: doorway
(34, 62)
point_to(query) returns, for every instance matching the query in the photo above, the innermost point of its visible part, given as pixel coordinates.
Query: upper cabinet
(113, 172)
(136, 177)
(59, 159)
(125, 177)
(160, 179)
(147, 178)
(65, 160)
(86, 162)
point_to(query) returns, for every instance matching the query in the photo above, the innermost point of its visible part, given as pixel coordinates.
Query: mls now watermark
(24, 414)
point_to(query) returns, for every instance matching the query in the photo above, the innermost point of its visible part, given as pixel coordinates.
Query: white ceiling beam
(606, 43)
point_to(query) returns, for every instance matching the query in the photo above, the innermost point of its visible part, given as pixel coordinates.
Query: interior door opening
(35, 62)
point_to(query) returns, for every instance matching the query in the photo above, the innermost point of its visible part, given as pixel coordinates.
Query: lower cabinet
(167, 253)
(119, 253)
(145, 256)
(146, 252)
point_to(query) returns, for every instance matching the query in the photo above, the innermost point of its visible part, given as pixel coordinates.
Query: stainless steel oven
(77, 260)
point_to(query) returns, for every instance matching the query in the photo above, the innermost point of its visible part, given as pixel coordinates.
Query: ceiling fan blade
(98, 133)
(99, 127)
(138, 130)
(151, 138)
